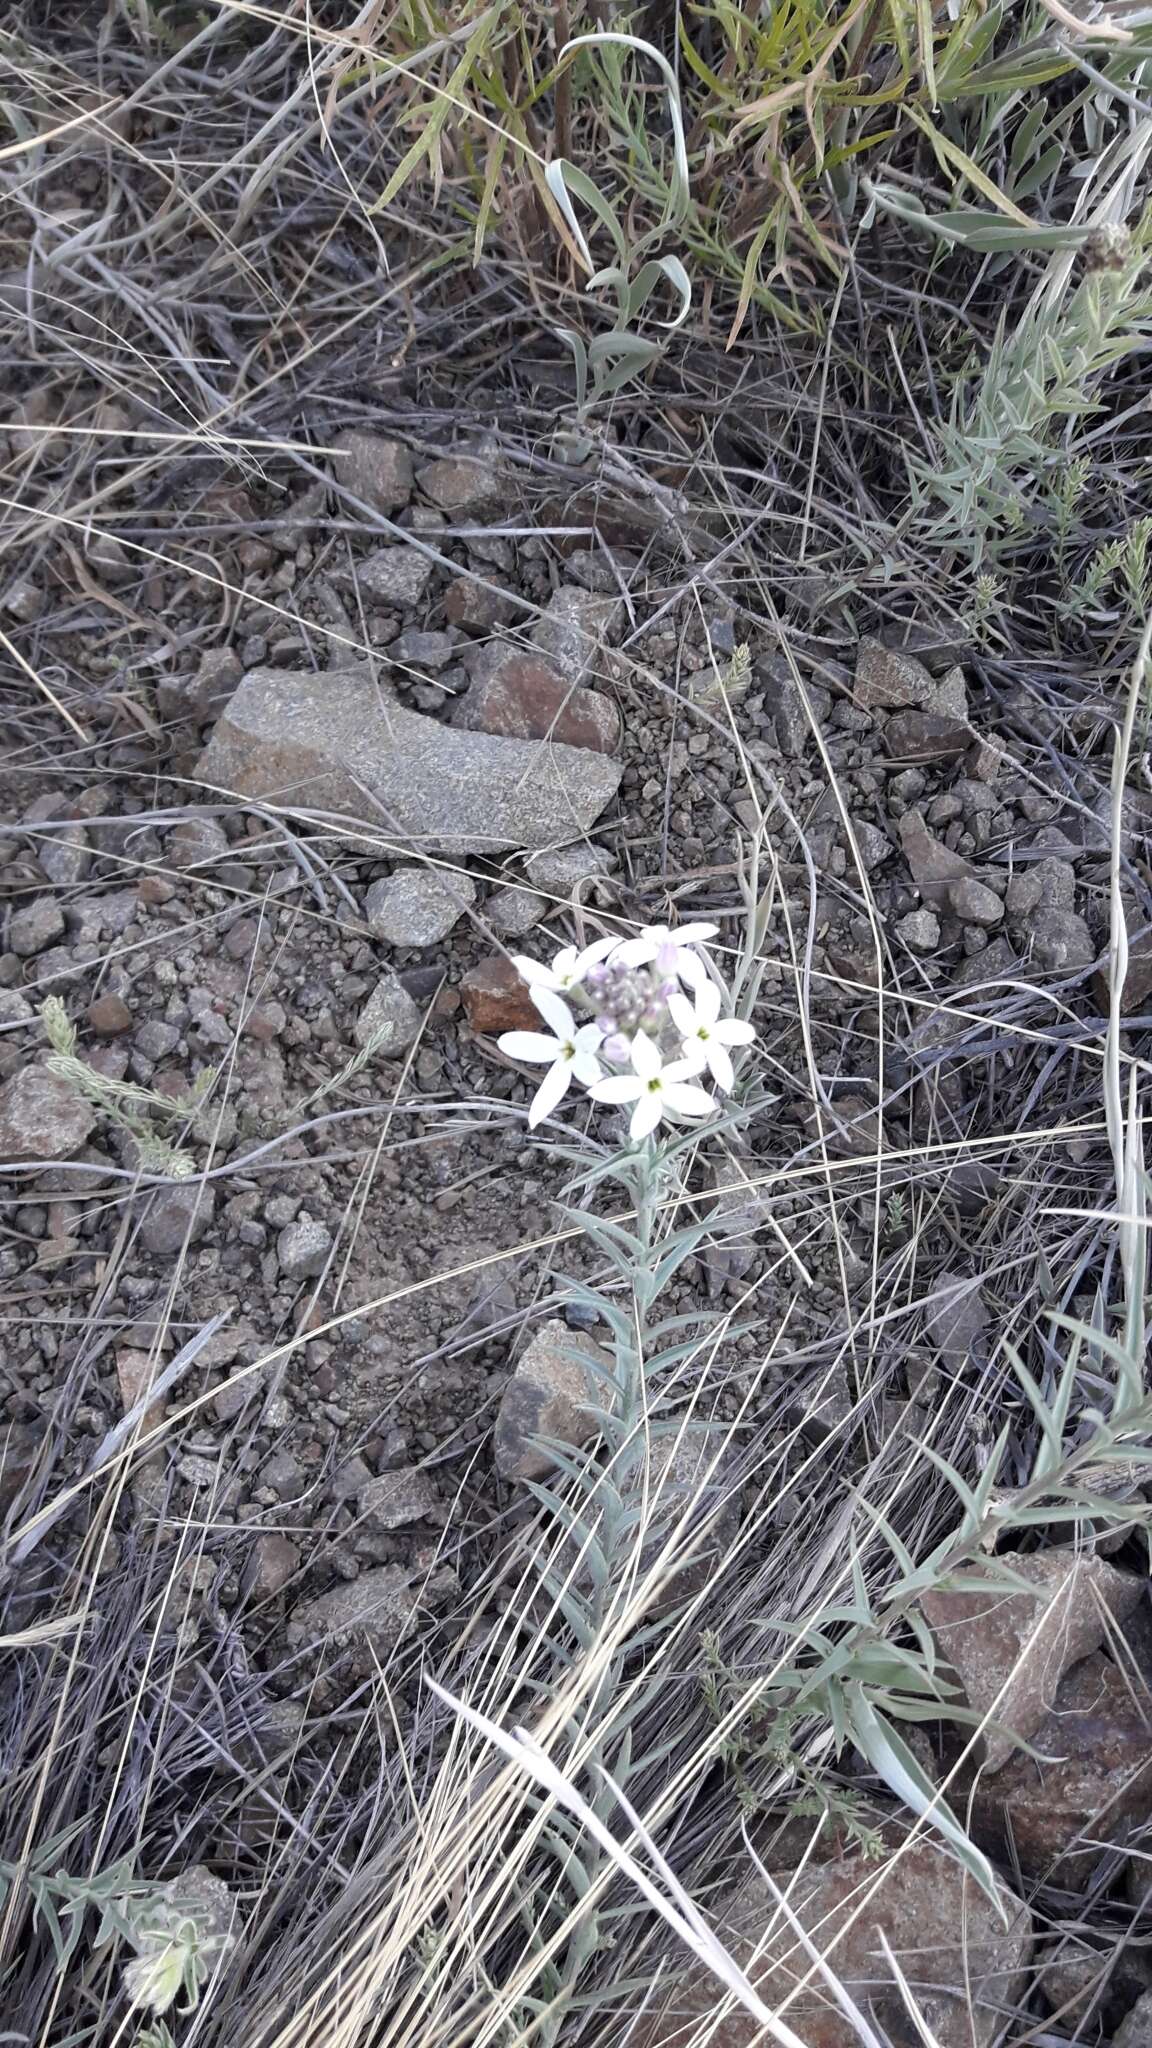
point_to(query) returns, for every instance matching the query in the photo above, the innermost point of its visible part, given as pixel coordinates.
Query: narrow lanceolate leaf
(892, 1760)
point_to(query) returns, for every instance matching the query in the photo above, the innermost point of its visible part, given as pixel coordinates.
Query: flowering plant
(647, 1042)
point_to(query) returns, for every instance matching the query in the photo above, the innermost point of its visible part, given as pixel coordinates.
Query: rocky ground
(276, 885)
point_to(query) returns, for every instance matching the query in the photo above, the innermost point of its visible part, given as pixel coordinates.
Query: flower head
(672, 952)
(570, 1052)
(705, 1035)
(568, 970)
(656, 1090)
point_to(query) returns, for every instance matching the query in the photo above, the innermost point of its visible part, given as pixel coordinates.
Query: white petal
(533, 973)
(694, 1058)
(597, 951)
(647, 1113)
(563, 964)
(646, 1056)
(527, 1045)
(617, 1088)
(553, 1088)
(734, 1031)
(691, 969)
(692, 1064)
(589, 1038)
(688, 1101)
(721, 1065)
(695, 934)
(682, 1014)
(585, 1068)
(707, 1002)
(555, 1012)
(634, 952)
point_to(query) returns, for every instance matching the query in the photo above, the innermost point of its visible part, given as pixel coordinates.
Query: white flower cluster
(648, 1043)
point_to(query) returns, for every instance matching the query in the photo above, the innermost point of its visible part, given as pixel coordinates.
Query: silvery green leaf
(679, 185)
(892, 1760)
(558, 176)
(645, 282)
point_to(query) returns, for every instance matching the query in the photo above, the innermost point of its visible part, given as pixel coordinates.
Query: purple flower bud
(606, 1023)
(666, 957)
(670, 987)
(616, 1049)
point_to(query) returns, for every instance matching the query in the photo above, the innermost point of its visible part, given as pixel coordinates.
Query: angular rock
(559, 868)
(496, 999)
(374, 469)
(372, 1610)
(920, 931)
(573, 631)
(302, 1248)
(935, 868)
(390, 1020)
(398, 575)
(1014, 1648)
(548, 1395)
(887, 679)
(176, 1216)
(395, 1499)
(974, 903)
(422, 650)
(522, 697)
(923, 736)
(41, 1117)
(418, 906)
(964, 1963)
(957, 1319)
(874, 846)
(462, 485)
(35, 927)
(275, 1561)
(1079, 1981)
(511, 912)
(1135, 2029)
(196, 842)
(1047, 883)
(950, 697)
(66, 855)
(1057, 941)
(476, 607)
(1092, 1786)
(328, 743)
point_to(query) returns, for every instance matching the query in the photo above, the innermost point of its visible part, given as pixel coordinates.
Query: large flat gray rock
(337, 744)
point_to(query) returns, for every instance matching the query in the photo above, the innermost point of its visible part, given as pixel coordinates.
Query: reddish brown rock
(887, 678)
(476, 607)
(522, 697)
(1090, 1785)
(496, 999)
(964, 1964)
(108, 1016)
(1011, 1649)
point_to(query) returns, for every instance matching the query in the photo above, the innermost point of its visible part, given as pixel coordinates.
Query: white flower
(671, 951)
(568, 969)
(571, 1052)
(657, 1091)
(706, 1035)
